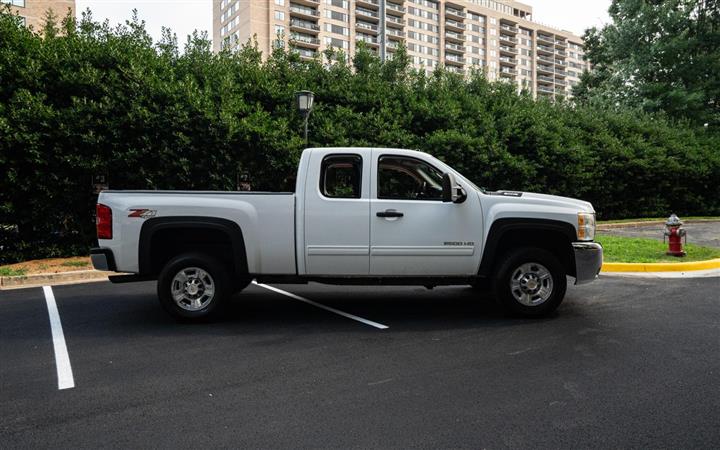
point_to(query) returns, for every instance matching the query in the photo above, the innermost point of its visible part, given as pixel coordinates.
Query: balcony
(560, 53)
(561, 43)
(454, 25)
(304, 40)
(395, 21)
(547, 39)
(395, 34)
(560, 62)
(303, 25)
(455, 69)
(545, 69)
(453, 36)
(367, 14)
(457, 48)
(547, 59)
(506, 49)
(392, 8)
(545, 78)
(509, 28)
(392, 46)
(304, 53)
(367, 27)
(312, 3)
(505, 72)
(368, 3)
(560, 73)
(305, 13)
(508, 39)
(561, 82)
(508, 61)
(454, 59)
(454, 13)
(544, 49)
(545, 89)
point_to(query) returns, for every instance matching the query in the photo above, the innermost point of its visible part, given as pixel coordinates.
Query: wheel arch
(158, 233)
(505, 234)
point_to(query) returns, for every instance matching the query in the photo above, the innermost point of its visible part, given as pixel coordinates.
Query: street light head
(304, 101)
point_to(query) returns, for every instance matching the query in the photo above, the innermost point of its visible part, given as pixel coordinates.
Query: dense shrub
(94, 100)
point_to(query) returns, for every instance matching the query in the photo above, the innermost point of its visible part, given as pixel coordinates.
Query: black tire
(208, 306)
(547, 293)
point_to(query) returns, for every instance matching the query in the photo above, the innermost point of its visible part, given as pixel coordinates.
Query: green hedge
(99, 100)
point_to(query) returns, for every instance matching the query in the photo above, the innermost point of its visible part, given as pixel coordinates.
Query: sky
(184, 16)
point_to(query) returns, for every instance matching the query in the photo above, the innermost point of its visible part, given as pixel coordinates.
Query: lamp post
(304, 101)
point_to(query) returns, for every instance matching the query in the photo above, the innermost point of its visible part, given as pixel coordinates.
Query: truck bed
(267, 221)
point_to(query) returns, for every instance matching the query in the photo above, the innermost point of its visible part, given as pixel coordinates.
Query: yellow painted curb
(661, 267)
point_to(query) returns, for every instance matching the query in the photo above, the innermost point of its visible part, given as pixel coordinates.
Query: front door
(412, 232)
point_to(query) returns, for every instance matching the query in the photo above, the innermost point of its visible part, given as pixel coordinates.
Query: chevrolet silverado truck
(357, 216)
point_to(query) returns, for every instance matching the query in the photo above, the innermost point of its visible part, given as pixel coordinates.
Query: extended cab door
(412, 232)
(337, 208)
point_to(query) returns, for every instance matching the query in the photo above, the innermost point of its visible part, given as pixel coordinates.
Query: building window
(337, 29)
(279, 30)
(336, 15)
(279, 15)
(280, 2)
(18, 3)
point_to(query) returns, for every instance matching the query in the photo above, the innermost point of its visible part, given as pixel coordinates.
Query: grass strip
(643, 250)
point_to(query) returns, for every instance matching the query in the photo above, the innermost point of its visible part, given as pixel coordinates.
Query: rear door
(337, 208)
(412, 232)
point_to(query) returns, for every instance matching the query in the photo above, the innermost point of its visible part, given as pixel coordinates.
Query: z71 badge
(142, 213)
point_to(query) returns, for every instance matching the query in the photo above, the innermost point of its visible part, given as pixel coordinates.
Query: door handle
(389, 213)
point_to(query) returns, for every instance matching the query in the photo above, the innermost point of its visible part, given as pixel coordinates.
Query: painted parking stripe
(326, 308)
(62, 359)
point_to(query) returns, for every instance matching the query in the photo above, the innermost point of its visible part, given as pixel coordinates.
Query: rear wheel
(193, 286)
(530, 282)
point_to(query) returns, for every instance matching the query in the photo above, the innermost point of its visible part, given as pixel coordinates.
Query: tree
(659, 56)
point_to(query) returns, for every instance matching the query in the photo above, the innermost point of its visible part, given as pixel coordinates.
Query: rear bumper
(103, 259)
(588, 261)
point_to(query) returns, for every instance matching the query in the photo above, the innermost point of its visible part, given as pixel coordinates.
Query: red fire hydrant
(675, 233)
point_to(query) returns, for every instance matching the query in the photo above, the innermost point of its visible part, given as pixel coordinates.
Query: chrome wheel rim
(192, 288)
(531, 284)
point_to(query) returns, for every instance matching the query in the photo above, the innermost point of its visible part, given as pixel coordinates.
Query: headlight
(586, 226)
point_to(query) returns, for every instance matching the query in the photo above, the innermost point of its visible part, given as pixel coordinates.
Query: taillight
(104, 221)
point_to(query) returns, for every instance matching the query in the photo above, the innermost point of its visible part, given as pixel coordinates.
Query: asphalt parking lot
(623, 363)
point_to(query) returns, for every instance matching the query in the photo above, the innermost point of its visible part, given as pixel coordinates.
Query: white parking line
(326, 308)
(62, 359)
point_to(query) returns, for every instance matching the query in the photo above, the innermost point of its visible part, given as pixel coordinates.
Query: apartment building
(498, 36)
(33, 12)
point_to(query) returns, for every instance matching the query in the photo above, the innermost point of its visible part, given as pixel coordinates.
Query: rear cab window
(341, 176)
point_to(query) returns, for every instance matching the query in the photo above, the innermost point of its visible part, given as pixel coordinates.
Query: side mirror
(452, 191)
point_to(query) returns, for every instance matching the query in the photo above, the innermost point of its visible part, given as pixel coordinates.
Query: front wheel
(193, 286)
(530, 282)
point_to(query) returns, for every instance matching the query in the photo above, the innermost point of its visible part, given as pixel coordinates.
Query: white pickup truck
(357, 216)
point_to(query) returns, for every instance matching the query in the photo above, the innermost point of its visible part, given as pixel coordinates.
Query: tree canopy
(658, 56)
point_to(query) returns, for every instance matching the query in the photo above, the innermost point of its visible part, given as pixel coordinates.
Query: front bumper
(103, 259)
(588, 261)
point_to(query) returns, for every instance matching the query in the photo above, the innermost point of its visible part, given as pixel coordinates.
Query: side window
(341, 176)
(402, 178)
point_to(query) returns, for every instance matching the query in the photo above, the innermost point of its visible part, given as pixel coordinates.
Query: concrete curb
(49, 279)
(662, 267)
